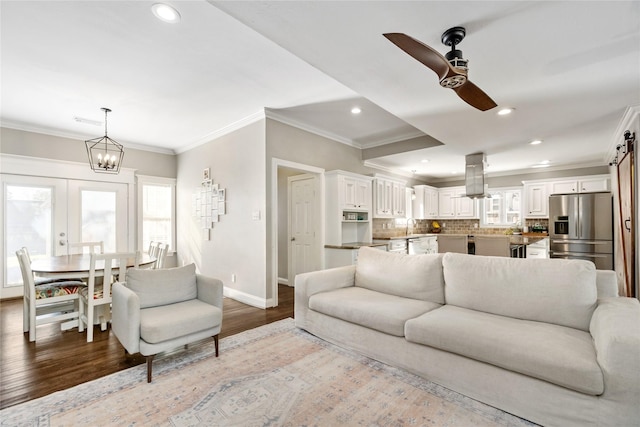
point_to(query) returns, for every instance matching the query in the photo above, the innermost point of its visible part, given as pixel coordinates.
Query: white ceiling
(569, 68)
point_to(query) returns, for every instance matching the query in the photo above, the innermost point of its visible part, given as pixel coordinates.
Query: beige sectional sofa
(547, 340)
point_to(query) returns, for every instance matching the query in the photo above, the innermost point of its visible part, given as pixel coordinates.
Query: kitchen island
(346, 253)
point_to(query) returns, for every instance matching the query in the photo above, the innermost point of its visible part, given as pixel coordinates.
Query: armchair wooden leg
(149, 360)
(215, 340)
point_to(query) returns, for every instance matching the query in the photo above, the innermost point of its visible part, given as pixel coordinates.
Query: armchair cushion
(162, 323)
(177, 284)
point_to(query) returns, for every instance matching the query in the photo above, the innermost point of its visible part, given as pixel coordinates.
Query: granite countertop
(408, 236)
(353, 245)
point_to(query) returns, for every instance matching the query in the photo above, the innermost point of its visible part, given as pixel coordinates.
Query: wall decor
(208, 202)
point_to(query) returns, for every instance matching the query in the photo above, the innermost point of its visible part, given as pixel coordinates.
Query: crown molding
(246, 121)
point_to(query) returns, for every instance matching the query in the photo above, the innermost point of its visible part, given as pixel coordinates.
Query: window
(503, 209)
(156, 202)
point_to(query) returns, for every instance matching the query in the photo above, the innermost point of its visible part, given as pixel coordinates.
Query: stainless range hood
(474, 176)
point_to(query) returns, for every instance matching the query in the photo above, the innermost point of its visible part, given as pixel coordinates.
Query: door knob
(63, 242)
(293, 239)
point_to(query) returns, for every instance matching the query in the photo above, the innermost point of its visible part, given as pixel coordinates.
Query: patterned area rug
(275, 375)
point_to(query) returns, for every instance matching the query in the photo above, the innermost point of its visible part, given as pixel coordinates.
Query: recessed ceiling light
(424, 161)
(165, 12)
(505, 111)
(356, 110)
(536, 142)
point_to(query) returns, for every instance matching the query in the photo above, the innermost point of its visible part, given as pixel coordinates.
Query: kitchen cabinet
(452, 203)
(539, 249)
(581, 185)
(347, 208)
(389, 197)
(425, 204)
(355, 192)
(536, 198)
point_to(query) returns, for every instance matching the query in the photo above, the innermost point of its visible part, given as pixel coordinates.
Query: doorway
(280, 171)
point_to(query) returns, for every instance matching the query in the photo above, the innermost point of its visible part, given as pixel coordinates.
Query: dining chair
(45, 280)
(95, 299)
(161, 255)
(153, 248)
(453, 243)
(493, 245)
(79, 247)
(48, 302)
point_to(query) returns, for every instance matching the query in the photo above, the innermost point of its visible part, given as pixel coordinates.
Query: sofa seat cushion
(408, 276)
(556, 354)
(374, 310)
(162, 323)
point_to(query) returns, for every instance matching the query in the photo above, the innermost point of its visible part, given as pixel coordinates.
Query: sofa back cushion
(562, 292)
(163, 286)
(410, 276)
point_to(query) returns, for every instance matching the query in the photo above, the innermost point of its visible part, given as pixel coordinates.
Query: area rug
(275, 375)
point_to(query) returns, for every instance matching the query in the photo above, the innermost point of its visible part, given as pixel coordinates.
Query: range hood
(474, 176)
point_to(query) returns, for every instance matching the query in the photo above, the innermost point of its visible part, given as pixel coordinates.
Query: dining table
(77, 266)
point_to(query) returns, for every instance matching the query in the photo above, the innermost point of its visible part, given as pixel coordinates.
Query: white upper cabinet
(355, 192)
(452, 203)
(389, 197)
(536, 198)
(425, 204)
(582, 185)
(536, 193)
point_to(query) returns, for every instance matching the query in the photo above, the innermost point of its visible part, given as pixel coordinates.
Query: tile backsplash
(383, 227)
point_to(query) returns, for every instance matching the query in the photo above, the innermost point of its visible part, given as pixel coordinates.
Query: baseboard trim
(283, 281)
(246, 298)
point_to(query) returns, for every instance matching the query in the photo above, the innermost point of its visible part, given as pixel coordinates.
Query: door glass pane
(99, 218)
(28, 218)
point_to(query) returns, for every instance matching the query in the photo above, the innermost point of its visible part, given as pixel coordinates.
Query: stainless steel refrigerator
(581, 227)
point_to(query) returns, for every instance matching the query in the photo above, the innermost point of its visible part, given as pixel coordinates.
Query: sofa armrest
(308, 284)
(616, 336)
(210, 290)
(607, 283)
(125, 317)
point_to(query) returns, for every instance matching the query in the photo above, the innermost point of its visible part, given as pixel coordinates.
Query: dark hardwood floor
(60, 360)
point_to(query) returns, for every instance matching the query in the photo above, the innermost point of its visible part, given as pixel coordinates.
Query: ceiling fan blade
(423, 53)
(474, 96)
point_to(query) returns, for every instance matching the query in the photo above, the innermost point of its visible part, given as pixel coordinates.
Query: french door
(45, 214)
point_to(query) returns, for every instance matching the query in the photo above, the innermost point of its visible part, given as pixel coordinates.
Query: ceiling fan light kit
(451, 69)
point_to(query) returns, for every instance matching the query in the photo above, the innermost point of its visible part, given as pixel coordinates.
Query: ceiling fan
(451, 68)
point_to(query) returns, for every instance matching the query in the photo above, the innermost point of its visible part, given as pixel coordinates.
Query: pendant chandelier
(105, 154)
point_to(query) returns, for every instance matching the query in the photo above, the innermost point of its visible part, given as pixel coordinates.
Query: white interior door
(303, 225)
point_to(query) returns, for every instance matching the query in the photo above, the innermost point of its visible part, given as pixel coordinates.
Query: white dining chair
(48, 302)
(161, 255)
(85, 247)
(492, 245)
(453, 243)
(153, 248)
(95, 299)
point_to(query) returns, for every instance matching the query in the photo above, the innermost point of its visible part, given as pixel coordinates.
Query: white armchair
(160, 310)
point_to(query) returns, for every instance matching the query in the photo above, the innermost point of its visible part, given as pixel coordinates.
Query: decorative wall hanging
(208, 203)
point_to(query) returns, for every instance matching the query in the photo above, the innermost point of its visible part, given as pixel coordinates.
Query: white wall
(237, 244)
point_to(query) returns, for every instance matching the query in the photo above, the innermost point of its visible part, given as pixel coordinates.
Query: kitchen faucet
(406, 232)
